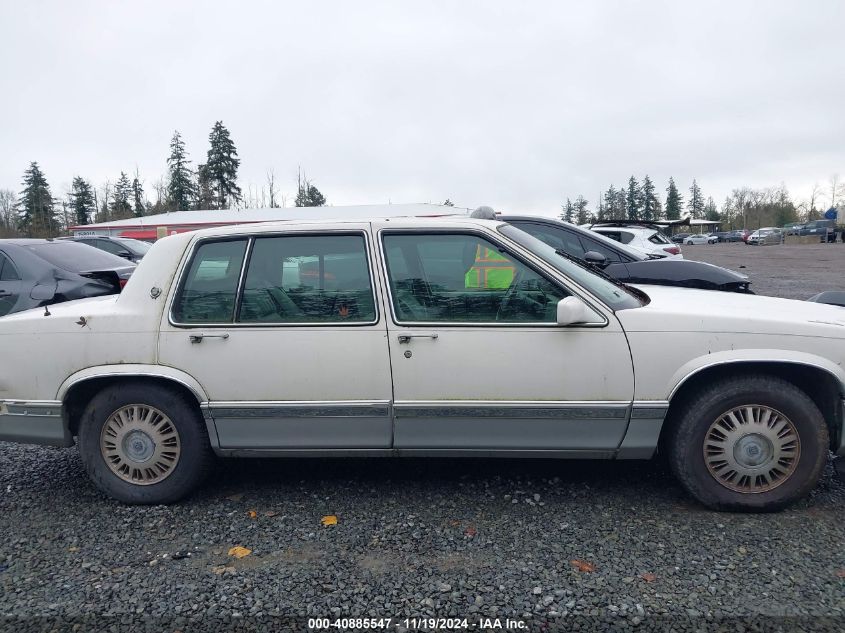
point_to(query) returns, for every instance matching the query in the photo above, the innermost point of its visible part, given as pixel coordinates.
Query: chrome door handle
(197, 338)
(406, 338)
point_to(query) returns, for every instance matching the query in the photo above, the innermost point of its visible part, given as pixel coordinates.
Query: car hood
(689, 310)
(679, 271)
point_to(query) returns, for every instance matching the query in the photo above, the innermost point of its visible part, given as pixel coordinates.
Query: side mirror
(571, 310)
(124, 254)
(596, 259)
(43, 292)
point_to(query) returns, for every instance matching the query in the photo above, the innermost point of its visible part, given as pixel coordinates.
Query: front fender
(739, 356)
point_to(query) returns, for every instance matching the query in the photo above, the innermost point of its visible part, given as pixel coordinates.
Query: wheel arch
(824, 385)
(77, 390)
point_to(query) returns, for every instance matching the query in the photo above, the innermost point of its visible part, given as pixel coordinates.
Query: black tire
(195, 455)
(692, 422)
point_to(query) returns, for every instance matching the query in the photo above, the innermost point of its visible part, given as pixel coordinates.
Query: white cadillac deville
(437, 337)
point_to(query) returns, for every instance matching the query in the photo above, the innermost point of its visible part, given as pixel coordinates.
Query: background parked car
(766, 235)
(626, 264)
(701, 238)
(646, 239)
(678, 238)
(35, 273)
(133, 250)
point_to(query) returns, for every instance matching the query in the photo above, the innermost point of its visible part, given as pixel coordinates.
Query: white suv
(646, 240)
(421, 337)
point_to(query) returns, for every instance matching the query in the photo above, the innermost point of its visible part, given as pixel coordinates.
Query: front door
(10, 285)
(479, 363)
(290, 347)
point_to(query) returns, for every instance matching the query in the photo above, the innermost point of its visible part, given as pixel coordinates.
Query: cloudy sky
(513, 104)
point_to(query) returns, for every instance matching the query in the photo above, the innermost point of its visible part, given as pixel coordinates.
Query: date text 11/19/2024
(421, 623)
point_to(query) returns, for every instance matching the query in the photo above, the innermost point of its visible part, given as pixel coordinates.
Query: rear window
(76, 257)
(658, 238)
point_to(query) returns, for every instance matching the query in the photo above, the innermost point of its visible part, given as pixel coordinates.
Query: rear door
(284, 333)
(10, 285)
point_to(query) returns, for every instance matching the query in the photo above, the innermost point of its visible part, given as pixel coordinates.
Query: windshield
(76, 257)
(613, 294)
(138, 246)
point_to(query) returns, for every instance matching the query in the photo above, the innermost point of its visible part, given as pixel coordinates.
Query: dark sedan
(35, 273)
(628, 265)
(127, 248)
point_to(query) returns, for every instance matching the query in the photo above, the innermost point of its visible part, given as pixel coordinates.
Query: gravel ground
(556, 545)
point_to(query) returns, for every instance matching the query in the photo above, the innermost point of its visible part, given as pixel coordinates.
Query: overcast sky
(513, 104)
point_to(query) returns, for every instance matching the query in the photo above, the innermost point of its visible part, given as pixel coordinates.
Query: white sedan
(421, 337)
(699, 238)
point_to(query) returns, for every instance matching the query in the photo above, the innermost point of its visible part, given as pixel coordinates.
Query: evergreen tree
(649, 200)
(606, 210)
(308, 195)
(695, 204)
(568, 211)
(222, 167)
(633, 199)
(36, 215)
(139, 205)
(619, 209)
(674, 201)
(82, 201)
(711, 212)
(121, 208)
(205, 196)
(581, 210)
(180, 190)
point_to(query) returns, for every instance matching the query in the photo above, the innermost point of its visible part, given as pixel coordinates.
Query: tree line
(743, 208)
(36, 212)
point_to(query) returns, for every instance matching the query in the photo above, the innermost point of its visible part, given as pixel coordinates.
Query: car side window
(555, 237)
(210, 284)
(7, 269)
(308, 279)
(463, 278)
(106, 245)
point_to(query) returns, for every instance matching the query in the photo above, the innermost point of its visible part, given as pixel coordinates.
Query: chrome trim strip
(117, 374)
(251, 237)
(515, 403)
(568, 411)
(39, 408)
(554, 278)
(417, 452)
(257, 404)
(309, 411)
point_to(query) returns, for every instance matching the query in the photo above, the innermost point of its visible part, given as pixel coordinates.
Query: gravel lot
(461, 538)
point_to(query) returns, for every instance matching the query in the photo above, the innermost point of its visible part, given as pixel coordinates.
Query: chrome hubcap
(140, 444)
(752, 449)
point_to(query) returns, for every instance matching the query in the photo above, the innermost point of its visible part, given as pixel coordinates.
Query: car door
(283, 333)
(10, 285)
(478, 360)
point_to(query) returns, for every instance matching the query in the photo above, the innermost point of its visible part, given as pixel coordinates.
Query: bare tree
(8, 213)
(271, 185)
(837, 189)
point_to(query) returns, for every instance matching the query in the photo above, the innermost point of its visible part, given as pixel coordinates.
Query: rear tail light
(673, 250)
(123, 283)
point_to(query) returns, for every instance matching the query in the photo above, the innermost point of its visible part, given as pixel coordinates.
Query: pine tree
(711, 212)
(205, 196)
(120, 206)
(581, 210)
(568, 211)
(37, 218)
(308, 195)
(607, 210)
(674, 201)
(633, 199)
(139, 205)
(696, 202)
(222, 167)
(649, 200)
(619, 209)
(180, 190)
(82, 201)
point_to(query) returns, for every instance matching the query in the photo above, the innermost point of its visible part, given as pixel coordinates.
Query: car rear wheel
(144, 443)
(756, 444)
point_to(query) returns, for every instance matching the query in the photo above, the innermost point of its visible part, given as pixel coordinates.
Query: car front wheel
(144, 443)
(756, 443)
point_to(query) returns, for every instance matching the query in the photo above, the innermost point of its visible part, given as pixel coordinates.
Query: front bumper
(33, 422)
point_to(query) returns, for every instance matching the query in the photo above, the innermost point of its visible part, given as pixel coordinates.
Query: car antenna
(47, 310)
